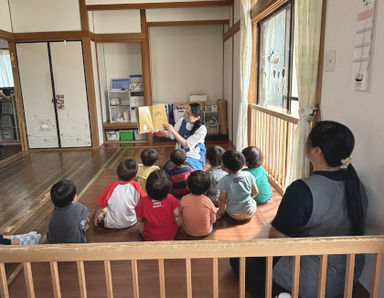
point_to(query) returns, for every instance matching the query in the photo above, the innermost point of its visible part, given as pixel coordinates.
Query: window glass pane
(274, 60)
(6, 76)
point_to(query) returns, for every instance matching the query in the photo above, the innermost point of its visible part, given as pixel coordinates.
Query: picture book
(151, 118)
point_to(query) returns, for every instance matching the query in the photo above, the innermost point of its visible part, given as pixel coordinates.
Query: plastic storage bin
(139, 136)
(8, 134)
(112, 135)
(126, 135)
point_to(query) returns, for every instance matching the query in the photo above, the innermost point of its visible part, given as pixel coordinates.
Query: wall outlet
(330, 61)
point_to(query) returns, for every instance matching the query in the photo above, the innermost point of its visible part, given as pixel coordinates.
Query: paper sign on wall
(363, 40)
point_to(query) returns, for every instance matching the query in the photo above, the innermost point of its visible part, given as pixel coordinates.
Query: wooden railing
(188, 250)
(273, 133)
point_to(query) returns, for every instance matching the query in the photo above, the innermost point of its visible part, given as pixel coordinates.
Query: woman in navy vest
(330, 202)
(189, 133)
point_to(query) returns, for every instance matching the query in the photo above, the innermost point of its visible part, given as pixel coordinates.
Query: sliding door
(69, 82)
(36, 88)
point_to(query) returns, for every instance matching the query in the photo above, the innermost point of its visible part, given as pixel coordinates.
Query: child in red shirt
(197, 211)
(158, 212)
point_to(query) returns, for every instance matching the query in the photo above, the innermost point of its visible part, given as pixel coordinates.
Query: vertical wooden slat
(285, 152)
(4, 286)
(281, 167)
(161, 278)
(295, 276)
(55, 279)
(108, 278)
(268, 277)
(376, 275)
(135, 279)
(348, 287)
(275, 148)
(215, 274)
(188, 277)
(242, 278)
(81, 277)
(29, 280)
(322, 276)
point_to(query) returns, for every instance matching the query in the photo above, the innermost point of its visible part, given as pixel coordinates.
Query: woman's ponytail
(354, 201)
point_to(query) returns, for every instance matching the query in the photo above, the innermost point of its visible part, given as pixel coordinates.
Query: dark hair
(198, 182)
(214, 154)
(197, 111)
(149, 156)
(127, 170)
(233, 160)
(158, 185)
(336, 142)
(178, 157)
(63, 193)
(253, 157)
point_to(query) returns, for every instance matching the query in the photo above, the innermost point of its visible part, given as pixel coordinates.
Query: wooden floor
(8, 150)
(26, 180)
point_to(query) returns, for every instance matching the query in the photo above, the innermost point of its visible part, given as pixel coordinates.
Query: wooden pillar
(146, 65)
(19, 99)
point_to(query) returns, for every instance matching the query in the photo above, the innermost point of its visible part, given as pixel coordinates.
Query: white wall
(187, 14)
(184, 60)
(236, 85)
(97, 93)
(5, 19)
(361, 111)
(228, 82)
(43, 15)
(102, 79)
(117, 21)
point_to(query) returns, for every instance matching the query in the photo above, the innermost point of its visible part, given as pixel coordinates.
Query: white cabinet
(119, 106)
(51, 71)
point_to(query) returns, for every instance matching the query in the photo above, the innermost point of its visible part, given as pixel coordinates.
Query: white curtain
(307, 45)
(6, 76)
(245, 73)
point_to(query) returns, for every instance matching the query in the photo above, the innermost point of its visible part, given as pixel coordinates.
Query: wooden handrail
(276, 114)
(192, 249)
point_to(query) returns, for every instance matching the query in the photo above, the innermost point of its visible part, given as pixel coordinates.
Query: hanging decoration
(363, 40)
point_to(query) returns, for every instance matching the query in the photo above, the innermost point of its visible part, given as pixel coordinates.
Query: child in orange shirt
(197, 211)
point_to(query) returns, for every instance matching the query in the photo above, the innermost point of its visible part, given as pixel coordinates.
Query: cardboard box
(197, 97)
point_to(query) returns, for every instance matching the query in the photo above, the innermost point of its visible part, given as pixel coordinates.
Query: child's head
(127, 170)
(149, 156)
(199, 182)
(158, 185)
(233, 160)
(214, 154)
(63, 193)
(178, 157)
(253, 157)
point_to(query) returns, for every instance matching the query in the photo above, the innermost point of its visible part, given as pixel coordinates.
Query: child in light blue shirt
(254, 159)
(237, 189)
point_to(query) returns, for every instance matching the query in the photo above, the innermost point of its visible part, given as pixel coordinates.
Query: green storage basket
(126, 135)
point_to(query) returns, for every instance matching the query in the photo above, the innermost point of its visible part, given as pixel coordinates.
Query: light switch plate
(330, 61)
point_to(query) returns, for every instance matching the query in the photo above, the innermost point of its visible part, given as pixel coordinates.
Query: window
(276, 74)
(6, 76)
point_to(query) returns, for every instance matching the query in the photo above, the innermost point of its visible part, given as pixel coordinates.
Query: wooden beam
(49, 36)
(88, 70)
(117, 37)
(18, 97)
(83, 15)
(8, 36)
(146, 65)
(159, 5)
(262, 8)
(188, 23)
(232, 31)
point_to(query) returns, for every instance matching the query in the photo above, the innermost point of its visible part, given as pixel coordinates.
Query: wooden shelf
(119, 125)
(126, 142)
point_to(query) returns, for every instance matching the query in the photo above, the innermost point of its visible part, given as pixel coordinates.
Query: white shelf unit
(119, 106)
(9, 131)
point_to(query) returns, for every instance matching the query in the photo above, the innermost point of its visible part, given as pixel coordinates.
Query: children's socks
(29, 238)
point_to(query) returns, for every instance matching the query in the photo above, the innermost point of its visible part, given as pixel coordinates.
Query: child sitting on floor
(197, 210)
(213, 158)
(254, 159)
(179, 173)
(20, 239)
(69, 220)
(116, 204)
(236, 189)
(158, 212)
(148, 157)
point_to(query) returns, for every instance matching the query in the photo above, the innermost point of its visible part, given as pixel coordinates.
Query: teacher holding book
(189, 133)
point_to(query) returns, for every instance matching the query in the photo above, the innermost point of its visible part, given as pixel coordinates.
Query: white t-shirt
(193, 140)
